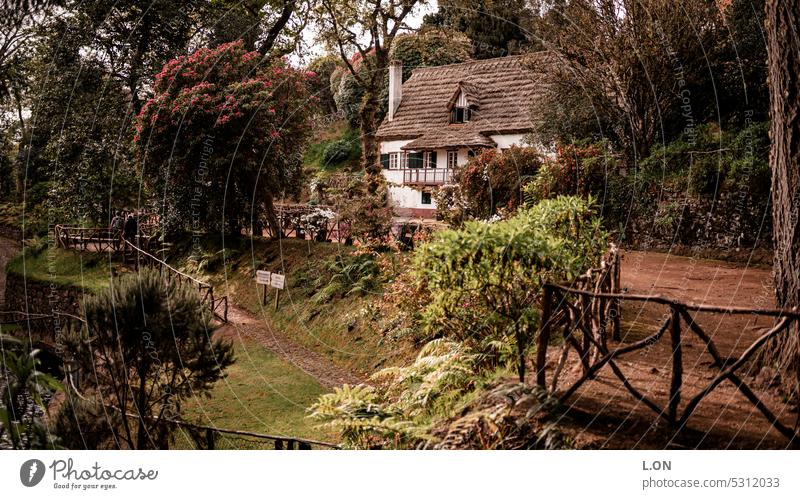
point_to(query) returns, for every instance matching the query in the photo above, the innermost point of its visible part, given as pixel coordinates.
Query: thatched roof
(449, 136)
(501, 92)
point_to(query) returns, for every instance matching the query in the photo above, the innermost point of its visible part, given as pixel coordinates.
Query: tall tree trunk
(783, 49)
(369, 145)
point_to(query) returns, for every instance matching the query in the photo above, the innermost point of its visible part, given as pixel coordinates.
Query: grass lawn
(261, 393)
(336, 329)
(89, 271)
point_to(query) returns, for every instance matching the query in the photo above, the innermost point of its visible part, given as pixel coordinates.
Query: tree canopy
(222, 136)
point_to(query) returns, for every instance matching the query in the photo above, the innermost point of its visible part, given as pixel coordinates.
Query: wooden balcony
(426, 176)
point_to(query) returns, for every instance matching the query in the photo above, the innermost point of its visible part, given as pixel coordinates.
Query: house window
(471, 153)
(394, 158)
(460, 114)
(452, 159)
(429, 159)
(426, 198)
(403, 160)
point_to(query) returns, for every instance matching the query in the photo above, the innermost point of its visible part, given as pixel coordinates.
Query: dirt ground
(606, 415)
(328, 374)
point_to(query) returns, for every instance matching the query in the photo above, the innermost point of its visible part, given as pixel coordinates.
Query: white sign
(277, 280)
(263, 277)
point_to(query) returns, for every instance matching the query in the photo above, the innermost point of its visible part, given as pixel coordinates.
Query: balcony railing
(426, 176)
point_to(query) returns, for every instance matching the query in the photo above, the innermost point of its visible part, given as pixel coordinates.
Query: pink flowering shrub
(223, 135)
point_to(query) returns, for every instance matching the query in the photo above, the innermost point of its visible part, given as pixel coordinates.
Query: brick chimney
(395, 86)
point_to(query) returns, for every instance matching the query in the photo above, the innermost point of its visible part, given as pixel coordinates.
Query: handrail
(165, 264)
(663, 300)
(118, 244)
(588, 316)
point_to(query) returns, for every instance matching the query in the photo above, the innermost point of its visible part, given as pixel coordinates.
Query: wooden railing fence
(107, 240)
(584, 310)
(139, 257)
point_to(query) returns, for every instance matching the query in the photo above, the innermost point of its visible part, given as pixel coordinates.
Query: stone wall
(41, 298)
(11, 232)
(726, 228)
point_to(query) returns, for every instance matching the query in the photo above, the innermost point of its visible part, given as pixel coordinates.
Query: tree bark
(783, 49)
(369, 145)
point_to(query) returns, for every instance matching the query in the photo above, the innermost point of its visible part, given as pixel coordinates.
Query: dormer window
(460, 115)
(460, 112)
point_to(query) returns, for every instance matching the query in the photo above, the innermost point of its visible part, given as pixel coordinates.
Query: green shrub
(337, 152)
(489, 184)
(484, 280)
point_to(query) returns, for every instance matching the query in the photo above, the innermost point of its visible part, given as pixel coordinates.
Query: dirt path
(8, 250)
(243, 323)
(611, 417)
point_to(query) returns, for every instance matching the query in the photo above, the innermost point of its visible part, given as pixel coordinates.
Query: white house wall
(506, 141)
(392, 146)
(409, 197)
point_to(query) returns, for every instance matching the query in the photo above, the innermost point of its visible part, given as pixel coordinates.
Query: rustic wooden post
(615, 302)
(209, 439)
(544, 336)
(677, 365)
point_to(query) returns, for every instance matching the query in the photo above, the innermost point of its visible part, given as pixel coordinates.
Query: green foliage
(320, 85)
(489, 184)
(430, 46)
(338, 151)
(710, 160)
(75, 161)
(226, 128)
(149, 343)
(360, 415)
(339, 147)
(484, 280)
(442, 371)
(368, 215)
(23, 395)
(580, 169)
(494, 28)
(358, 275)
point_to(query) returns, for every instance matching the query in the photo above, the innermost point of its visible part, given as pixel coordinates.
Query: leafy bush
(337, 152)
(710, 160)
(489, 184)
(578, 169)
(149, 344)
(22, 402)
(356, 275)
(399, 413)
(484, 280)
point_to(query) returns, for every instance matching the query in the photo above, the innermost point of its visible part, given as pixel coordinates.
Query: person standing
(131, 229)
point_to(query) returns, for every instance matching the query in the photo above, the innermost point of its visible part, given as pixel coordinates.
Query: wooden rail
(218, 306)
(107, 240)
(316, 222)
(582, 311)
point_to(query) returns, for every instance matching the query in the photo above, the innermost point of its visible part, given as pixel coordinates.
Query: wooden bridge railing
(98, 239)
(317, 222)
(586, 309)
(107, 240)
(218, 306)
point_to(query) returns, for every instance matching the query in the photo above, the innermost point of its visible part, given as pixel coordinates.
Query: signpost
(271, 279)
(263, 277)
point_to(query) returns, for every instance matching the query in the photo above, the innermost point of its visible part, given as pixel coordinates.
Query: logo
(31, 472)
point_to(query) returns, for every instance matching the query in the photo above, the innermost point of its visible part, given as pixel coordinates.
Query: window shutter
(415, 160)
(384, 161)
